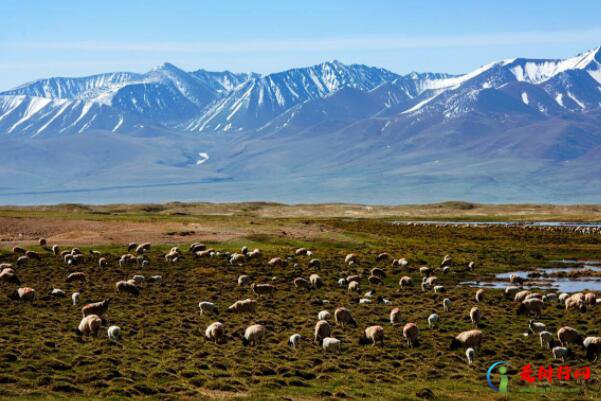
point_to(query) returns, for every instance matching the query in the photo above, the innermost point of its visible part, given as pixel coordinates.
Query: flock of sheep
(93, 314)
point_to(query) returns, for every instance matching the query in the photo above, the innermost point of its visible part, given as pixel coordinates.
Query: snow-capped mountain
(512, 130)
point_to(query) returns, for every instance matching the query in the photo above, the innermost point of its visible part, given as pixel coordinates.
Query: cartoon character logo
(502, 369)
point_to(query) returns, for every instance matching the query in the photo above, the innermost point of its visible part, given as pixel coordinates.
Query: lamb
(301, 282)
(97, 308)
(323, 315)
(395, 316)
(128, 287)
(75, 297)
(592, 345)
(8, 275)
(215, 332)
(23, 294)
(76, 276)
(245, 306)
(470, 354)
(561, 353)
(254, 334)
(446, 304)
(536, 327)
(567, 334)
(316, 281)
(261, 289)
(373, 335)
(322, 330)
(294, 341)
(89, 326)
(475, 316)
(343, 316)
(244, 280)
(432, 320)
(411, 333)
(532, 305)
(546, 339)
(467, 339)
(114, 333)
(208, 307)
(331, 344)
(405, 281)
(480, 295)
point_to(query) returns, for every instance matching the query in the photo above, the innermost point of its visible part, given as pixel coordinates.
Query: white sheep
(331, 344)
(560, 353)
(475, 315)
(294, 341)
(114, 333)
(322, 330)
(215, 332)
(254, 334)
(208, 307)
(470, 353)
(546, 338)
(75, 297)
(446, 304)
(432, 320)
(535, 327)
(342, 282)
(323, 315)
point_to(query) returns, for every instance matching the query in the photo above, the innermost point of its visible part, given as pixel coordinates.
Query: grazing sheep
(197, 247)
(395, 316)
(127, 287)
(475, 315)
(405, 281)
(254, 334)
(103, 262)
(515, 279)
(316, 281)
(263, 289)
(432, 320)
(354, 286)
(471, 266)
(244, 306)
(142, 248)
(128, 259)
(323, 315)
(79, 259)
(18, 249)
(96, 308)
(532, 305)
(156, 279)
(351, 257)
(511, 290)
(23, 294)
(315, 263)
(561, 353)
(343, 316)
(446, 304)
(341, 282)
(75, 297)
(521, 295)
(536, 327)
(374, 280)
(590, 298)
(237, 259)
(382, 256)
(22, 261)
(470, 354)
(301, 282)
(480, 295)
(294, 341)
(202, 254)
(131, 246)
(467, 339)
(363, 301)
(592, 345)
(425, 271)
(331, 345)
(301, 251)
(215, 332)
(89, 326)
(534, 295)
(546, 338)
(322, 330)
(447, 261)
(208, 307)
(353, 277)
(55, 249)
(567, 335)
(33, 255)
(402, 262)
(551, 296)
(439, 289)
(562, 297)
(576, 301)
(114, 333)
(94, 253)
(277, 262)
(57, 292)
(244, 280)
(8, 275)
(411, 333)
(373, 335)
(138, 279)
(76, 276)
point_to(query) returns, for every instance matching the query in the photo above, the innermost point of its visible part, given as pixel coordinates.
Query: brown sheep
(263, 289)
(567, 334)
(245, 306)
(373, 335)
(89, 326)
(532, 305)
(23, 294)
(322, 330)
(76, 276)
(343, 316)
(96, 308)
(467, 339)
(411, 333)
(128, 287)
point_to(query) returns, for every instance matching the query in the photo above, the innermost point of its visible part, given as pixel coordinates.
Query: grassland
(163, 354)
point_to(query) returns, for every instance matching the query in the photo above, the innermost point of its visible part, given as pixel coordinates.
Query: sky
(74, 38)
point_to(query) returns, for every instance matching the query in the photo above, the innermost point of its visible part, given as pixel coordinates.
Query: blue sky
(72, 38)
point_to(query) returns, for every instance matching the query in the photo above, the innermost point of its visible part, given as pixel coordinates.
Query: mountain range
(516, 130)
